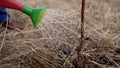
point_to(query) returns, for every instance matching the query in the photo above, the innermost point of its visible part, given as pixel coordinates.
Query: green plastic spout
(36, 14)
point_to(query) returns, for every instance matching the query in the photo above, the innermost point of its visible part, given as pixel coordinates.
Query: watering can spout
(36, 14)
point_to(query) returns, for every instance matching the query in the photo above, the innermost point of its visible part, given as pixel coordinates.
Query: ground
(53, 43)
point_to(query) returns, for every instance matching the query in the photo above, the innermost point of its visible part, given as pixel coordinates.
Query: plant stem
(82, 25)
(81, 45)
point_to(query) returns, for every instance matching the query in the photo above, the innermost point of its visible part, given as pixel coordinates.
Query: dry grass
(53, 44)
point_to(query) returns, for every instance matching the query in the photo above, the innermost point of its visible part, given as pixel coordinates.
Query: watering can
(36, 14)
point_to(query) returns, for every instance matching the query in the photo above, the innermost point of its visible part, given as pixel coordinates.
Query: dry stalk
(80, 47)
(99, 65)
(4, 36)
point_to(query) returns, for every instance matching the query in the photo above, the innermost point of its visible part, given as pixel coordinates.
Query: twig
(101, 66)
(80, 47)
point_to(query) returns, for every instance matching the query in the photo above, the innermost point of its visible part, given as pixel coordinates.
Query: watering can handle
(13, 4)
